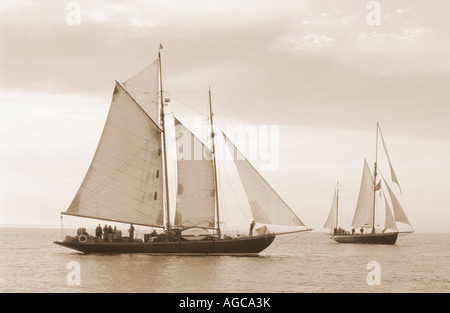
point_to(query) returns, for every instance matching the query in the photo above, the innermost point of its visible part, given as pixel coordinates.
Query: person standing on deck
(110, 234)
(105, 233)
(131, 231)
(252, 225)
(98, 232)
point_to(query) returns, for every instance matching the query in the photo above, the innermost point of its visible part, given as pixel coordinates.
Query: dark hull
(376, 239)
(235, 246)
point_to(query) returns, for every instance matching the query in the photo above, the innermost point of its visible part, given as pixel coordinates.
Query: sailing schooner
(129, 181)
(370, 213)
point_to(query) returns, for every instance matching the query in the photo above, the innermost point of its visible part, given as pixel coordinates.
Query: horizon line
(48, 226)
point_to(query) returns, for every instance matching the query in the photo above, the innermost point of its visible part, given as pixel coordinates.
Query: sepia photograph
(221, 153)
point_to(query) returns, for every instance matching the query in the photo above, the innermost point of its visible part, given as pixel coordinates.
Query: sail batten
(121, 183)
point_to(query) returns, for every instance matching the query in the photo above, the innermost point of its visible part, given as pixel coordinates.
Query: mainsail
(364, 208)
(124, 181)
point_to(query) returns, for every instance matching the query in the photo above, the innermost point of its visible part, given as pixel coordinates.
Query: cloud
(250, 55)
(312, 41)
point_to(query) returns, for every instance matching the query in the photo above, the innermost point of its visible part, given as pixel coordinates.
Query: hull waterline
(377, 239)
(234, 246)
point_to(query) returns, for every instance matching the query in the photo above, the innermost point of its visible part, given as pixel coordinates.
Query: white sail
(364, 207)
(195, 195)
(389, 222)
(235, 215)
(266, 205)
(331, 220)
(399, 213)
(143, 87)
(391, 168)
(125, 181)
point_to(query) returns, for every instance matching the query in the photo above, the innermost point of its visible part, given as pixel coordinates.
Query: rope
(282, 243)
(187, 91)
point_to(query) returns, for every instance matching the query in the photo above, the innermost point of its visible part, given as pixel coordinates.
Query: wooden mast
(213, 152)
(337, 204)
(375, 181)
(164, 141)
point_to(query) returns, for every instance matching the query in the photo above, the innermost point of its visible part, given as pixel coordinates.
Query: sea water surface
(295, 263)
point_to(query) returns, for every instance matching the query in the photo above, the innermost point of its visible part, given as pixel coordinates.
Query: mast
(213, 150)
(375, 180)
(163, 131)
(337, 204)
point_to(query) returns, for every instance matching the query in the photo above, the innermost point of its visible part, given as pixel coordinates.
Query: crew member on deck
(110, 234)
(98, 232)
(105, 233)
(252, 225)
(131, 231)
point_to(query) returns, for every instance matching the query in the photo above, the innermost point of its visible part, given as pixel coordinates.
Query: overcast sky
(315, 68)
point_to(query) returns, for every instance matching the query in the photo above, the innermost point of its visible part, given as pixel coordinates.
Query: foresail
(235, 213)
(389, 222)
(196, 193)
(399, 213)
(143, 87)
(124, 181)
(331, 220)
(364, 207)
(266, 205)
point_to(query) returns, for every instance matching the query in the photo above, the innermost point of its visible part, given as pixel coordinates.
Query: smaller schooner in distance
(378, 209)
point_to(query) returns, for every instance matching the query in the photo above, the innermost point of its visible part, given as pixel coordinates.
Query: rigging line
(176, 76)
(119, 170)
(186, 104)
(227, 119)
(111, 124)
(235, 149)
(187, 92)
(202, 126)
(283, 196)
(232, 189)
(203, 141)
(142, 181)
(98, 193)
(286, 241)
(149, 162)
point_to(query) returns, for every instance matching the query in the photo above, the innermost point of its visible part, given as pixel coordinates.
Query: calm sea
(32, 263)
